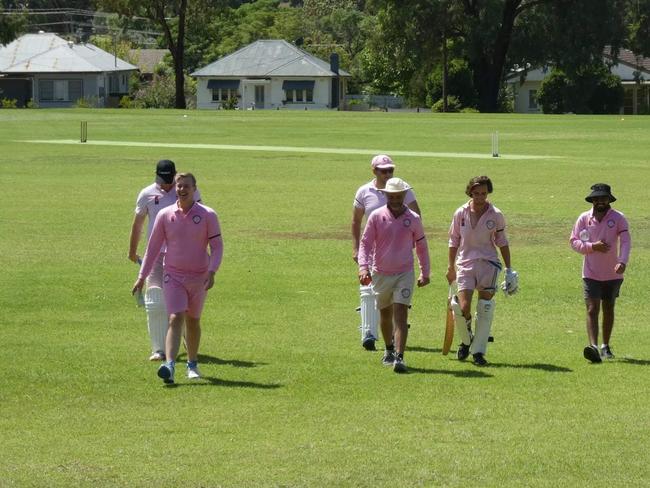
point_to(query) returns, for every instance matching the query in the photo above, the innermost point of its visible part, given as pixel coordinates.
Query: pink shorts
(184, 294)
(478, 275)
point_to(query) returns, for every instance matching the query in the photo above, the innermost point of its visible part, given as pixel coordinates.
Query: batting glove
(511, 284)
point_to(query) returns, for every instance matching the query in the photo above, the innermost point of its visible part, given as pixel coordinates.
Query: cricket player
(386, 258)
(186, 229)
(477, 229)
(370, 197)
(150, 201)
(602, 236)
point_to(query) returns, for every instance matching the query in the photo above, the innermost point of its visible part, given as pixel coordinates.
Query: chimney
(334, 63)
(334, 67)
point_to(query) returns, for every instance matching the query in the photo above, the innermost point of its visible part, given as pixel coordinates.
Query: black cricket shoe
(479, 359)
(463, 352)
(592, 354)
(369, 344)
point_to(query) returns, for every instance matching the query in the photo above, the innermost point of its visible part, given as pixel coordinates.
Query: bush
(126, 102)
(9, 103)
(591, 90)
(31, 104)
(459, 84)
(453, 105)
(230, 104)
(86, 102)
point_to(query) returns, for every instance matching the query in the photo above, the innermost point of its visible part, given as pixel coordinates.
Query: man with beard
(370, 197)
(602, 235)
(386, 259)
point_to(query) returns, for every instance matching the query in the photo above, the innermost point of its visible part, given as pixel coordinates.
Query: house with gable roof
(272, 74)
(54, 72)
(633, 70)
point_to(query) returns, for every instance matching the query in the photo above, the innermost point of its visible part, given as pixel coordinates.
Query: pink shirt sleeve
(625, 240)
(500, 237)
(454, 230)
(154, 246)
(577, 244)
(366, 243)
(215, 242)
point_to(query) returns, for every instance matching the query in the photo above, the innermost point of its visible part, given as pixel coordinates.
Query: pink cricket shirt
(388, 242)
(187, 237)
(612, 229)
(481, 241)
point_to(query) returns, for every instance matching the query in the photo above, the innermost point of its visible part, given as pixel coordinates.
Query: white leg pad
(484, 315)
(157, 318)
(369, 312)
(463, 326)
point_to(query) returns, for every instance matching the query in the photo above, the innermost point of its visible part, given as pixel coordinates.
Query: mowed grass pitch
(289, 397)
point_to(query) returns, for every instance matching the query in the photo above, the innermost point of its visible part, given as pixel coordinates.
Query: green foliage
(8, 103)
(86, 102)
(453, 105)
(230, 104)
(459, 83)
(592, 90)
(31, 104)
(126, 102)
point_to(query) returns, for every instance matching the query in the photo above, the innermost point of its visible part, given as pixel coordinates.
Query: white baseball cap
(382, 161)
(396, 185)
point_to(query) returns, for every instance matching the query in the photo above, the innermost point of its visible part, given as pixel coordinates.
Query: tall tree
(170, 17)
(566, 31)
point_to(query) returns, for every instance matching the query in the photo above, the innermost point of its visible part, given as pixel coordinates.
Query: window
(300, 96)
(532, 99)
(60, 90)
(223, 94)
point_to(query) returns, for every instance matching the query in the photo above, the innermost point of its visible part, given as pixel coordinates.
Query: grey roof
(48, 53)
(269, 58)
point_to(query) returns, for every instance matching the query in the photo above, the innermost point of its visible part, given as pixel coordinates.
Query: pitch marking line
(291, 149)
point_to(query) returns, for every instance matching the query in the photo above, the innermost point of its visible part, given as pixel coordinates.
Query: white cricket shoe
(193, 372)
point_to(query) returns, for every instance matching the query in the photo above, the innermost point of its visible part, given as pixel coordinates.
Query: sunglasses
(386, 171)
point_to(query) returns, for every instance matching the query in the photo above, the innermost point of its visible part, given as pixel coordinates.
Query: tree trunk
(179, 59)
(488, 72)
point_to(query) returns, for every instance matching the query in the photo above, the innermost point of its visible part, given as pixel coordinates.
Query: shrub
(453, 105)
(230, 104)
(590, 90)
(9, 103)
(126, 102)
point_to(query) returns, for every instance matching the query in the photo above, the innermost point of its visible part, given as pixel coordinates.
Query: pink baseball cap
(382, 161)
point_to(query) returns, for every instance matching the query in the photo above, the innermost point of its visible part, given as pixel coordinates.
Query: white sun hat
(396, 185)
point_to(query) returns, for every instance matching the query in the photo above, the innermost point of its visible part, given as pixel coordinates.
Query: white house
(54, 72)
(634, 72)
(271, 74)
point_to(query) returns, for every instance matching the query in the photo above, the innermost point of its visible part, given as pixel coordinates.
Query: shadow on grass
(460, 374)
(550, 368)
(212, 381)
(205, 359)
(423, 349)
(638, 362)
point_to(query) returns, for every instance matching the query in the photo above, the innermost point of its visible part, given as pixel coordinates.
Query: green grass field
(289, 398)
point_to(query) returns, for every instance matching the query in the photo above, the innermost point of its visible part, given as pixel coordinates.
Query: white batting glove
(511, 284)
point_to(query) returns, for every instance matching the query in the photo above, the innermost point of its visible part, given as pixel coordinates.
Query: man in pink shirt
(602, 235)
(187, 229)
(386, 259)
(370, 197)
(477, 229)
(150, 201)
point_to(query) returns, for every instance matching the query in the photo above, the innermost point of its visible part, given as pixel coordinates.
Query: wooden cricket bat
(449, 325)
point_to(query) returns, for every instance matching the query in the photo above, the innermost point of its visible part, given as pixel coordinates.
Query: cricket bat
(449, 324)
